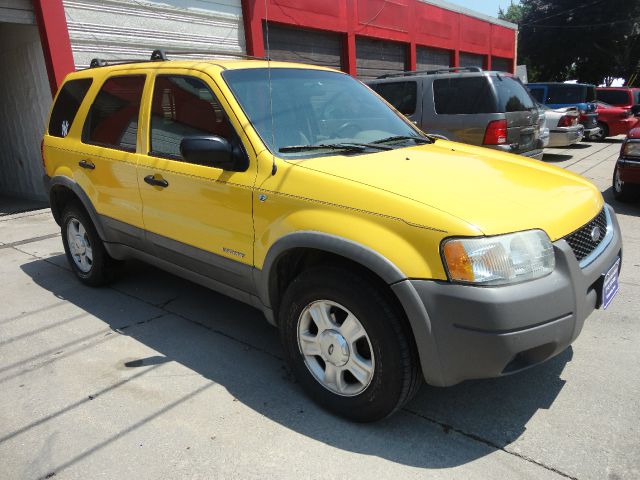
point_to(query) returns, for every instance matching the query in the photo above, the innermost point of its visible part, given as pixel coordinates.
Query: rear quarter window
(512, 96)
(67, 105)
(402, 95)
(455, 96)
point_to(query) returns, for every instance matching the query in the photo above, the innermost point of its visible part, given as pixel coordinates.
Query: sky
(488, 7)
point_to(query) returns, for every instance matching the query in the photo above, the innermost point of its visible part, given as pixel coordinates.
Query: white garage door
(132, 29)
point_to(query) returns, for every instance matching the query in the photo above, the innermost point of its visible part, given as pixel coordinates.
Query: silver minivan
(468, 105)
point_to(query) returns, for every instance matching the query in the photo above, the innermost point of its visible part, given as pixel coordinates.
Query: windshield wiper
(396, 138)
(347, 146)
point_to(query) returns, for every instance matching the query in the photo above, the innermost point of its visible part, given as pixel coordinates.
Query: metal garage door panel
(17, 11)
(471, 60)
(430, 58)
(304, 46)
(501, 64)
(379, 57)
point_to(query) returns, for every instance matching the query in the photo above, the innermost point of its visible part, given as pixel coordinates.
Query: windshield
(313, 108)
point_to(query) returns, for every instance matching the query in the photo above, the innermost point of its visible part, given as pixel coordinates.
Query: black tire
(622, 191)
(603, 134)
(102, 266)
(396, 377)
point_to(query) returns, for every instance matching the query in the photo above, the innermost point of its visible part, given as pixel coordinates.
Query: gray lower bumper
(537, 154)
(466, 332)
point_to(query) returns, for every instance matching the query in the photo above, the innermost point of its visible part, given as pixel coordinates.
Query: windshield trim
(295, 156)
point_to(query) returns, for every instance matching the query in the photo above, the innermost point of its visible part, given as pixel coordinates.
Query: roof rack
(409, 73)
(161, 56)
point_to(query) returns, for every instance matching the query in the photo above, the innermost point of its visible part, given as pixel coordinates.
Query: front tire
(85, 251)
(348, 344)
(602, 134)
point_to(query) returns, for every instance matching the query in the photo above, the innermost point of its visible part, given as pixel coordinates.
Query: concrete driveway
(155, 377)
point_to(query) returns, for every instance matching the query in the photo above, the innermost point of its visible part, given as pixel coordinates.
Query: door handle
(156, 182)
(88, 164)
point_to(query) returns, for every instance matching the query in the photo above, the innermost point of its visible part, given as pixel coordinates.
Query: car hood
(492, 191)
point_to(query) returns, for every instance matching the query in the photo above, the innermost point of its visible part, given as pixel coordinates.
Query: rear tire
(85, 251)
(359, 358)
(622, 191)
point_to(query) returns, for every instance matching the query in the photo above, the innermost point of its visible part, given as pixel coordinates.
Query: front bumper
(565, 136)
(481, 332)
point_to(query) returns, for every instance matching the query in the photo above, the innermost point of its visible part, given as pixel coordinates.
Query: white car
(564, 129)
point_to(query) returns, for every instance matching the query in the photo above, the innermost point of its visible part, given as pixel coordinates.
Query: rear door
(520, 112)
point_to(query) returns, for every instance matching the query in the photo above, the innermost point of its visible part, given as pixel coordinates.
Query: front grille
(581, 241)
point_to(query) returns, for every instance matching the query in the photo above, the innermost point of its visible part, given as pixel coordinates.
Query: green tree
(513, 13)
(591, 41)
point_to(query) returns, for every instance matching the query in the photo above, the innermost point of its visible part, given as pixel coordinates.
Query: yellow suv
(382, 254)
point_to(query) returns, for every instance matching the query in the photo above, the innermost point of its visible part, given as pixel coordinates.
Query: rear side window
(613, 97)
(67, 105)
(469, 95)
(113, 118)
(512, 96)
(401, 95)
(183, 107)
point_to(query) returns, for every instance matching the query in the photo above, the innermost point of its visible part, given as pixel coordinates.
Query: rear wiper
(349, 147)
(396, 138)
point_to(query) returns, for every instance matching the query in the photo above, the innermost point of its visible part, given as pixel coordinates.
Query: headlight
(631, 149)
(499, 260)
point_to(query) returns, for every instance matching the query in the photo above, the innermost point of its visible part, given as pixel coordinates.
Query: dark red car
(625, 97)
(626, 175)
(613, 121)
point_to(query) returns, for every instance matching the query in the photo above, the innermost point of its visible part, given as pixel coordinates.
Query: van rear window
(613, 97)
(67, 104)
(455, 96)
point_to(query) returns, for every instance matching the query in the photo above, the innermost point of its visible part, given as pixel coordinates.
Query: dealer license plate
(610, 284)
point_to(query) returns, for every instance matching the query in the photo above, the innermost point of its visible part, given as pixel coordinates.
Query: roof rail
(409, 73)
(161, 56)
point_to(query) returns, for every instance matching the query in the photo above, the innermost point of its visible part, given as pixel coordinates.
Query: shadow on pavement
(556, 157)
(440, 428)
(623, 208)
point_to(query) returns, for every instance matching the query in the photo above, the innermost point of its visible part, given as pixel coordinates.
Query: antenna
(274, 167)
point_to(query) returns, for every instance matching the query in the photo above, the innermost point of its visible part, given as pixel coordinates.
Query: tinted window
(183, 107)
(113, 119)
(568, 94)
(537, 93)
(401, 95)
(614, 97)
(636, 96)
(512, 96)
(67, 105)
(463, 95)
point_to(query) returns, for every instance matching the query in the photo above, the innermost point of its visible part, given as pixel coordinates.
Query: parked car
(579, 95)
(626, 174)
(613, 121)
(625, 97)
(382, 255)
(564, 129)
(468, 105)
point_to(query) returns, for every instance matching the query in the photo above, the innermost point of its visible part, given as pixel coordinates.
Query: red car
(626, 175)
(625, 97)
(613, 121)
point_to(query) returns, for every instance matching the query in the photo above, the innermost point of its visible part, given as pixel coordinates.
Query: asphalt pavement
(155, 377)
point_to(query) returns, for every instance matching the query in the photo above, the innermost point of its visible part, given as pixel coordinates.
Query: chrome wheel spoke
(309, 344)
(351, 329)
(89, 253)
(320, 315)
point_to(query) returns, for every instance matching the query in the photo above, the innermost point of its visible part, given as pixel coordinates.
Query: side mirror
(210, 151)
(635, 109)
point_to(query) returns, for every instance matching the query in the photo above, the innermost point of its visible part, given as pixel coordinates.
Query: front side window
(466, 95)
(311, 108)
(113, 118)
(67, 105)
(401, 95)
(183, 107)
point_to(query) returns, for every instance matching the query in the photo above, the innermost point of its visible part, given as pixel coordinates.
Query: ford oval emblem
(595, 234)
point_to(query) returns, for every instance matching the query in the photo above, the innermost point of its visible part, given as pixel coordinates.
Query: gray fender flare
(66, 182)
(402, 288)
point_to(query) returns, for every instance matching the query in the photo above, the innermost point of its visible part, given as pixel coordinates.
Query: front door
(196, 216)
